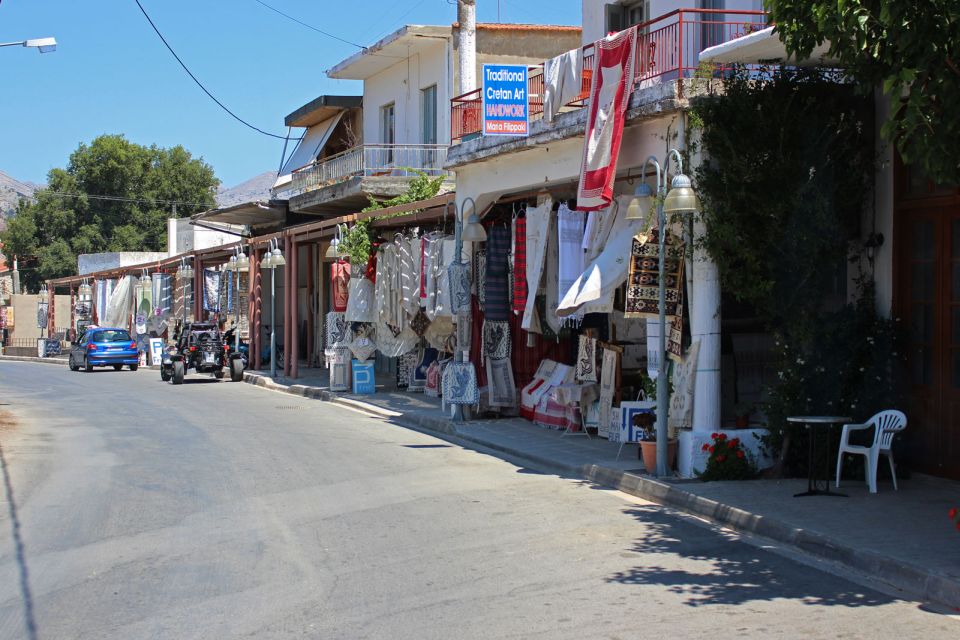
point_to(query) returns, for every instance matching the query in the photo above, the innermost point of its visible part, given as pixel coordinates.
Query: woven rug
(643, 279)
(587, 359)
(496, 339)
(496, 286)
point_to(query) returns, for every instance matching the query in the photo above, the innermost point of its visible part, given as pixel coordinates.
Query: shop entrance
(927, 248)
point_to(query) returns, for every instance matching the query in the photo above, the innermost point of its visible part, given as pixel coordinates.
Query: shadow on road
(728, 572)
(29, 621)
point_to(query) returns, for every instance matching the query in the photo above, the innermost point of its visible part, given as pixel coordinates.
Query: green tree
(910, 49)
(51, 231)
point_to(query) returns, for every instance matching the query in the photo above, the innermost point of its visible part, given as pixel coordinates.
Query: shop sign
(505, 101)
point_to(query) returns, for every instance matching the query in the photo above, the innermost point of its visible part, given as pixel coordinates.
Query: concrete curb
(904, 576)
(52, 360)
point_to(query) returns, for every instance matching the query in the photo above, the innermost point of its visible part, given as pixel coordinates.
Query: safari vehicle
(199, 346)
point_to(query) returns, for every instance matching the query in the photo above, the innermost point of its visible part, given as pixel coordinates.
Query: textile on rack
(458, 275)
(594, 289)
(393, 344)
(496, 340)
(42, 308)
(433, 266)
(337, 330)
(419, 378)
(537, 229)
(570, 237)
(519, 265)
(608, 377)
(410, 274)
(480, 277)
(362, 347)
(599, 227)
(3, 317)
(562, 84)
(444, 286)
(405, 366)
(548, 412)
(118, 308)
(551, 282)
(643, 280)
(360, 304)
(420, 323)
(104, 288)
(610, 90)
(497, 293)
(587, 359)
(459, 384)
(441, 334)
(500, 383)
(340, 284)
(388, 293)
(211, 290)
(162, 294)
(464, 331)
(432, 386)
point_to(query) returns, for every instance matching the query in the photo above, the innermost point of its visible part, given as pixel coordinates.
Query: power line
(309, 26)
(200, 84)
(61, 194)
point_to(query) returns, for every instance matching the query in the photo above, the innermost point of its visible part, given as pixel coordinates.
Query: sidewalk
(903, 538)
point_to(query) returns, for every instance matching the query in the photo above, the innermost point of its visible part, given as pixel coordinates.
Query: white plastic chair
(888, 424)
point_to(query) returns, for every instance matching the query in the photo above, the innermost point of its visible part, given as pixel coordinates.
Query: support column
(287, 315)
(197, 289)
(51, 310)
(311, 266)
(73, 319)
(256, 307)
(294, 264)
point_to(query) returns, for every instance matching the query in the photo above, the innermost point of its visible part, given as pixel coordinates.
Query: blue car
(104, 346)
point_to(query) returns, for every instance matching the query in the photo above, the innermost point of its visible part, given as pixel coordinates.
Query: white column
(467, 17)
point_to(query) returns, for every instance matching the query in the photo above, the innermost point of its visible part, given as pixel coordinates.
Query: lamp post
(272, 259)
(43, 45)
(680, 199)
(471, 231)
(185, 274)
(239, 263)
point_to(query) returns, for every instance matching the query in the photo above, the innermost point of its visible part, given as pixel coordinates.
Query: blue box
(363, 378)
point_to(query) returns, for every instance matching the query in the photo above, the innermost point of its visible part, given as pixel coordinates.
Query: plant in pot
(728, 460)
(645, 424)
(742, 411)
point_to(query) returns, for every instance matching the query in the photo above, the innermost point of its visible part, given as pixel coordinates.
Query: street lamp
(239, 263)
(680, 199)
(44, 45)
(185, 273)
(272, 259)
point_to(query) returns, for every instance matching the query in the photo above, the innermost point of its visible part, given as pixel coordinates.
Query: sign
(363, 378)
(505, 101)
(156, 351)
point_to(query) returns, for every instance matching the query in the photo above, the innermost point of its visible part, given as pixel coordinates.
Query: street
(220, 510)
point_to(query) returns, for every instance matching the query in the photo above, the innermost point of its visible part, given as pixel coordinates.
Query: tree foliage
(51, 231)
(910, 49)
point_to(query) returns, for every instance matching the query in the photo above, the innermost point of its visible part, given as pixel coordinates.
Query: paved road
(219, 510)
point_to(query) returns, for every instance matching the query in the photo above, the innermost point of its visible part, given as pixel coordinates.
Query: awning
(308, 148)
(245, 214)
(760, 47)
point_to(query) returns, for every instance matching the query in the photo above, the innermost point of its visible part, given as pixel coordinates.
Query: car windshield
(110, 335)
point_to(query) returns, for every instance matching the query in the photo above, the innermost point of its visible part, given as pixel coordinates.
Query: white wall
(183, 237)
(401, 84)
(93, 262)
(883, 260)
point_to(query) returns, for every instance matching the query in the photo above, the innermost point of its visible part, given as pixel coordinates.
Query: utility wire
(61, 194)
(309, 26)
(200, 84)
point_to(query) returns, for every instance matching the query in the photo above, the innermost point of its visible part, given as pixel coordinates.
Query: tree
(52, 230)
(910, 49)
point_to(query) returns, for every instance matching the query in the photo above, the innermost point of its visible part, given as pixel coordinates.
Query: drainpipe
(288, 294)
(294, 349)
(467, 17)
(254, 341)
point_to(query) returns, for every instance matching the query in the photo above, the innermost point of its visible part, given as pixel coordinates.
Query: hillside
(256, 188)
(11, 190)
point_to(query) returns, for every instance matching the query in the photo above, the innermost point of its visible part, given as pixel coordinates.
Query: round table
(818, 486)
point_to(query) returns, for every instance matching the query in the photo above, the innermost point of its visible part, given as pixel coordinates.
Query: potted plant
(644, 423)
(728, 460)
(742, 411)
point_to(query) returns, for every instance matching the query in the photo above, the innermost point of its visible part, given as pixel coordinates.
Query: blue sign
(363, 378)
(506, 105)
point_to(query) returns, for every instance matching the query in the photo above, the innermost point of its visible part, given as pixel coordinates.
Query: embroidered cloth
(587, 359)
(497, 292)
(643, 280)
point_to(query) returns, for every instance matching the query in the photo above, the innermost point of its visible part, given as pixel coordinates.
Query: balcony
(344, 181)
(668, 48)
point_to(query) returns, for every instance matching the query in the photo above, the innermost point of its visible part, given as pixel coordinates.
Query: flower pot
(649, 451)
(743, 422)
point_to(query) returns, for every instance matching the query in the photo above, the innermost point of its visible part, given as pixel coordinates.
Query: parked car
(102, 347)
(199, 346)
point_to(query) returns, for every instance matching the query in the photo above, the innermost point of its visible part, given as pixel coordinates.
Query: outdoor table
(818, 486)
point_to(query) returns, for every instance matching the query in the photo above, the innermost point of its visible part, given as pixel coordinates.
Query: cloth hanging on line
(551, 281)
(496, 339)
(118, 308)
(104, 289)
(562, 81)
(405, 366)
(162, 294)
(497, 292)
(610, 90)
(458, 275)
(519, 265)
(211, 290)
(608, 377)
(459, 384)
(337, 330)
(410, 259)
(501, 388)
(340, 284)
(593, 290)
(587, 359)
(360, 303)
(388, 293)
(393, 344)
(643, 281)
(538, 226)
(42, 307)
(480, 269)
(570, 236)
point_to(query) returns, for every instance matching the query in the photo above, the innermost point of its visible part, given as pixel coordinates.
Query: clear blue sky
(111, 74)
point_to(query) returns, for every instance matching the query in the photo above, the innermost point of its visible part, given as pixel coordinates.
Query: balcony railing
(369, 160)
(668, 48)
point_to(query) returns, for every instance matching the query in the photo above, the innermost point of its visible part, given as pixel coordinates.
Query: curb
(900, 575)
(52, 360)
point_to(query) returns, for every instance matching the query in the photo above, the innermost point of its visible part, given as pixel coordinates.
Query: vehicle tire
(178, 372)
(133, 367)
(117, 367)
(73, 365)
(165, 373)
(236, 370)
(87, 366)
(218, 374)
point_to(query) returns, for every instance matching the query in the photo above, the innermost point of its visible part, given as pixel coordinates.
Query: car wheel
(236, 370)
(117, 367)
(133, 367)
(87, 366)
(73, 365)
(165, 373)
(178, 372)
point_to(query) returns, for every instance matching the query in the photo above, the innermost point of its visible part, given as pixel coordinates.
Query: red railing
(668, 48)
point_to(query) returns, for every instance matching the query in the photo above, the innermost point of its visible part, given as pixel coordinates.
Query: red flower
(952, 513)
(740, 454)
(711, 448)
(713, 435)
(721, 458)
(958, 526)
(722, 437)
(706, 447)
(734, 442)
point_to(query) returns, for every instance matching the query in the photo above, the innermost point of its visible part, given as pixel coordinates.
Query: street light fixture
(44, 45)
(272, 259)
(239, 263)
(680, 199)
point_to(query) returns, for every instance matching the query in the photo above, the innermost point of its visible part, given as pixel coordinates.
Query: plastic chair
(888, 424)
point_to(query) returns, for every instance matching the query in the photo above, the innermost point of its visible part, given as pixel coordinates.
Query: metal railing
(401, 160)
(668, 48)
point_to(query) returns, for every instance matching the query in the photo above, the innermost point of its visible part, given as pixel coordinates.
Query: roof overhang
(399, 45)
(761, 47)
(320, 109)
(246, 214)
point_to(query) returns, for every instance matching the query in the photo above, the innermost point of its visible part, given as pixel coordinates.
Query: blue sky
(111, 74)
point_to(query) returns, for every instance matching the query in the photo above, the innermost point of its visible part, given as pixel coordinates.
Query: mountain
(11, 190)
(256, 188)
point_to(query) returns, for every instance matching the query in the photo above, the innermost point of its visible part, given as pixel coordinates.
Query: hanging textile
(410, 260)
(162, 285)
(337, 330)
(458, 274)
(610, 90)
(340, 284)
(537, 229)
(419, 378)
(388, 292)
(432, 386)
(593, 290)
(392, 344)
(497, 293)
(500, 383)
(496, 339)
(459, 384)
(551, 281)
(587, 359)
(405, 366)
(562, 81)
(360, 303)
(143, 305)
(570, 236)
(211, 290)
(339, 366)
(519, 264)
(441, 334)
(104, 289)
(432, 266)
(118, 308)
(643, 281)
(464, 330)
(480, 271)
(420, 323)
(608, 377)
(42, 308)
(3, 317)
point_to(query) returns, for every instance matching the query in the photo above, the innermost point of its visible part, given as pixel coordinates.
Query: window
(626, 14)
(111, 335)
(428, 111)
(388, 124)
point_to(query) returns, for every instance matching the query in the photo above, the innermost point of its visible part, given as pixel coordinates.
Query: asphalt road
(220, 510)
